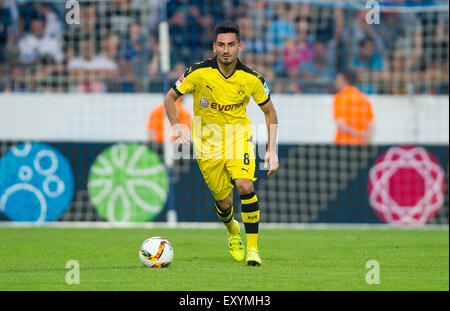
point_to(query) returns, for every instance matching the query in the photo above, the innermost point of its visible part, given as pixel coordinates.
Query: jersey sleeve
(261, 93)
(185, 84)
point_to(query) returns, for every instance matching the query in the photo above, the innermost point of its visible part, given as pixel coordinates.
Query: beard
(227, 61)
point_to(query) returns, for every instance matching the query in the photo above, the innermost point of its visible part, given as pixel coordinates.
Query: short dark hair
(364, 41)
(227, 27)
(349, 75)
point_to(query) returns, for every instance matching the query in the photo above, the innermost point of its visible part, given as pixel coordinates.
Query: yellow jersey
(220, 105)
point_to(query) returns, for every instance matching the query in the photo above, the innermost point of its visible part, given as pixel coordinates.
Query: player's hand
(366, 137)
(271, 162)
(181, 134)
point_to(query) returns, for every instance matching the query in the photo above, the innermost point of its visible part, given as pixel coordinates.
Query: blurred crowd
(298, 48)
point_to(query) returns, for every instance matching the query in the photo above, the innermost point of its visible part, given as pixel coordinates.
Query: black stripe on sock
(251, 227)
(248, 208)
(227, 221)
(222, 213)
(247, 196)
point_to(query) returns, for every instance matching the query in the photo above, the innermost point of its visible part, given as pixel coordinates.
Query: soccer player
(221, 88)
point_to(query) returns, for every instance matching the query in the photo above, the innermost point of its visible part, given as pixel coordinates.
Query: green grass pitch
(293, 260)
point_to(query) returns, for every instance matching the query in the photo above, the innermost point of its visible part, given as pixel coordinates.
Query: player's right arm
(342, 125)
(181, 132)
(185, 84)
(171, 107)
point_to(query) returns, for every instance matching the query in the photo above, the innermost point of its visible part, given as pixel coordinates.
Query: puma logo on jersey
(210, 88)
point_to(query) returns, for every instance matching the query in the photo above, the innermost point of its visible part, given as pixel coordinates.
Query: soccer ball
(156, 252)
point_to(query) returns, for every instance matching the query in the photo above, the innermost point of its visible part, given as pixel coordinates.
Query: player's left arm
(368, 133)
(271, 157)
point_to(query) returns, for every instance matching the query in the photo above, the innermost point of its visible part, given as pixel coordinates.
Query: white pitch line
(209, 225)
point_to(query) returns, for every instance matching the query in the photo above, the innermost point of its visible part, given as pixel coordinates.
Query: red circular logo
(406, 186)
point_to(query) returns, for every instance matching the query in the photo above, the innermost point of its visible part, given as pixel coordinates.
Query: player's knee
(226, 203)
(244, 186)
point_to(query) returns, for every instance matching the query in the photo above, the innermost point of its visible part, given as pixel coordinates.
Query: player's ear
(241, 45)
(214, 46)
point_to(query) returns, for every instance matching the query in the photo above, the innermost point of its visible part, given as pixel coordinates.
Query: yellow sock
(250, 218)
(233, 227)
(252, 240)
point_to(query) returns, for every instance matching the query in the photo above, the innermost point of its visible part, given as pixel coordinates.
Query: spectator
(292, 87)
(185, 29)
(35, 45)
(207, 36)
(132, 56)
(6, 21)
(340, 44)
(53, 25)
(89, 26)
(118, 15)
(252, 40)
(179, 37)
(27, 12)
(363, 31)
(153, 13)
(352, 112)
(278, 87)
(110, 47)
(156, 119)
(402, 33)
(174, 6)
(91, 69)
(409, 49)
(369, 65)
(258, 13)
(178, 70)
(8, 25)
(325, 23)
(441, 40)
(299, 50)
(153, 68)
(194, 28)
(282, 28)
(39, 57)
(213, 8)
(437, 71)
(399, 77)
(302, 10)
(320, 70)
(233, 9)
